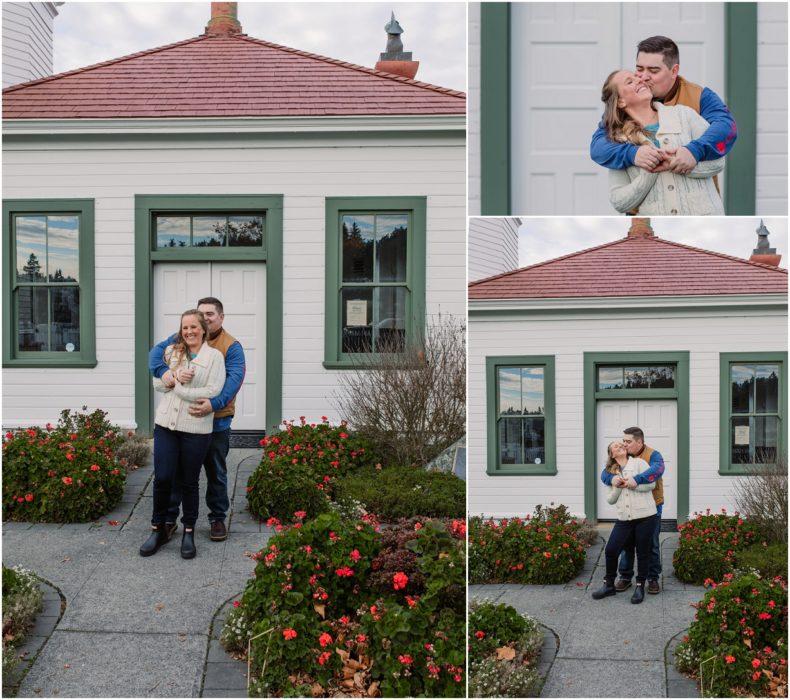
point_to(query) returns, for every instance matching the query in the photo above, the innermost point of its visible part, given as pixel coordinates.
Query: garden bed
(22, 599)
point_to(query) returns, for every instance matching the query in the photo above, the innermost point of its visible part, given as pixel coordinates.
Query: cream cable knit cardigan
(633, 503)
(669, 194)
(173, 410)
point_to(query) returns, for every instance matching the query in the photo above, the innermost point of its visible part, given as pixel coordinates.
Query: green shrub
(67, 473)
(299, 468)
(769, 559)
(542, 548)
(21, 603)
(709, 544)
(134, 452)
(496, 678)
(737, 642)
(402, 492)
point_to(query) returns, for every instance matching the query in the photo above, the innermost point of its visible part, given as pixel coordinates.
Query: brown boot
(218, 531)
(653, 587)
(622, 584)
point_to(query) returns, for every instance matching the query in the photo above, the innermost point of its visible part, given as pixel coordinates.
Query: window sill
(348, 364)
(748, 470)
(50, 364)
(526, 470)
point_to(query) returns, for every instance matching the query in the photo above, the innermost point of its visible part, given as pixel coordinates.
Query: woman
(636, 519)
(631, 116)
(180, 439)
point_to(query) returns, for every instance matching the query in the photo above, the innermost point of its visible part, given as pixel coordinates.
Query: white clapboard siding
(27, 40)
(493, 246)
(704, 334)
(771, 183)
(473, 109)
(305, 172)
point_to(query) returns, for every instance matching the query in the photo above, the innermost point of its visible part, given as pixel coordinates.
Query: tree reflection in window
(755, 422)
(521, 415)
(215, 230)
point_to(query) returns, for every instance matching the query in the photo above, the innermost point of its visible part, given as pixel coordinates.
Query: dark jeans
(178, 457)
(626, 566)
(217, 477)
(627, 534)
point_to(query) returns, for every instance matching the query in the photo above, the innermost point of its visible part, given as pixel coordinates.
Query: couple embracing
(663, 138)
(199, 370)
(633, 475)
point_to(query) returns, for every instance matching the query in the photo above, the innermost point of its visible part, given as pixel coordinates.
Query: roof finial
(224, 19)
(763, 253)
(395, 59)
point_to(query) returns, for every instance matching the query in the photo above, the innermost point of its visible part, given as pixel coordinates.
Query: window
(753, 406)
(375, 276)
(214, 230)
(49, 288)
(636, 377)
(521, 415)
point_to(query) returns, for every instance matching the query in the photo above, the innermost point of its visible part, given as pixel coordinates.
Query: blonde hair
(180, 347)
(618, 124)
(611, 464)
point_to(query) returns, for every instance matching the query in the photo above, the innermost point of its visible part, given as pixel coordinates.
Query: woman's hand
(184, 375)
(618, 481)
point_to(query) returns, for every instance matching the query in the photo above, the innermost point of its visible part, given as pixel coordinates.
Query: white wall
(473, 108)
(703, 334)
(27, 40)
(493, 246)
(304, 172)
(771, 108)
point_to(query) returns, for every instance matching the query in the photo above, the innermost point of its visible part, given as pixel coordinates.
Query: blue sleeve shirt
(156, 358)
(654, 472)
(717, 141)
(607, 477)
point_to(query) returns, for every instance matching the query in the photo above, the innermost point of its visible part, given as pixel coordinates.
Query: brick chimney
(640, 228)
(224, 19)
(395, 60)
(763, 253)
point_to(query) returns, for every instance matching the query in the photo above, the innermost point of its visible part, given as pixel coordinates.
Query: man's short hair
(212, 300)
(663, 45)
(635, 433)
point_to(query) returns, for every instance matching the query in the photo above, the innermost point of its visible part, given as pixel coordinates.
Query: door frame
(145, 255)
(592, 360)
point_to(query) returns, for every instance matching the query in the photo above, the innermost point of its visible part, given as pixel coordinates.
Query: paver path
(599, 637)
(134, 626)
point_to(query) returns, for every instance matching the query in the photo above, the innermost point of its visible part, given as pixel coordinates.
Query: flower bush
(66, 473)
(299, 468)
(402, 492)
(503, 649)
(709, 544)
(541, 548)
(21, 603)
(737, 644)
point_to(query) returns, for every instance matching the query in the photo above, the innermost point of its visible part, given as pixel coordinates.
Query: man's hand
(631, 483)
(200, 408)
(682, 162)
(168, 379)
(647, 157)
(666, 160)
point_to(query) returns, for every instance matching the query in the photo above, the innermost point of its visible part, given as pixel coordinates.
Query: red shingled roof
(634, 266)
(225, 76)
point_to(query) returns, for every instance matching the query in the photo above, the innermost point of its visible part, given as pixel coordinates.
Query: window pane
(65, 319)
(754, 440)
(610, 377)
(32, 318)
(742, 377)
(31, 252)
(391, 324)
(208, 231)
(766, 389)
(357, 317)
(358, 238)
(63, 259)
(391, 249)
(662, 377)
(172, 231)
(245, 231)
(510, 441)
(532, 391)
(509, 380)
(534, 440)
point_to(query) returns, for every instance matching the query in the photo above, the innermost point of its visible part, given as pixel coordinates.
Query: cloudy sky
(544, 239)
(435, 33)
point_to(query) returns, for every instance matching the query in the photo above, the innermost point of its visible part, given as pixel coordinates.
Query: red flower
(355, 555)
(771, 604)
(405, 659)
(324, 657)
(547, 555)
(361, 638)
(70, 456)
(236, 603)
(115, 472)
(755, 663)
(67, 480)
(345, 619)
(325, 639)
(457, 677)
(300, 514)
(400, 581)
(418, 526)
(95, 467)
(9, 436)
(73, 436)
(343, 435)
(764, 616)
(28, 497)
(289, 633)
(480, 634)
(411, 601)
(20, 499)
(332, 536)
(729, 659)
(344, 572)
(756, 676)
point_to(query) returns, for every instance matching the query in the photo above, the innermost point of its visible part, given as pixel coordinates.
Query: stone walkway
(134, 626)
(596, 638)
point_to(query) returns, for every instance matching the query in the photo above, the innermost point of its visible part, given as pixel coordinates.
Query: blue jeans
(217, 477)
(626, 566)
(178, 457)
(630, 534)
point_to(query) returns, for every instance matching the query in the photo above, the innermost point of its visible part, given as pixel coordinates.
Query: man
(223, 407)
(634, 440)
(657, 65)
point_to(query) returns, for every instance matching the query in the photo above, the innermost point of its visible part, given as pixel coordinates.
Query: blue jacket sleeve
(720, 136)
(654, 472)
(156, 358)
(607, 477)
(235, 368)
(616, 156)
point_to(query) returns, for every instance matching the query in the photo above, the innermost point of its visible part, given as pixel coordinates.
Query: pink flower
(405, 659)
(345, 619)
(236, 603)
(289, 634)
(300, 514)
(756, 676)
(764, 616)
(67, 480)
(361, 638)
(729, 659)
(343, 435)
(325, 639)
(400, 581)
(355, 555)
(755, 663)
(95, 467)
(70, 456)
(344, 572)
(324, 657)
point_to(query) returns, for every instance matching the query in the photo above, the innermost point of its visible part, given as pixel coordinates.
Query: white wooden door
(561, 53)
(658, 420)
(242, 289)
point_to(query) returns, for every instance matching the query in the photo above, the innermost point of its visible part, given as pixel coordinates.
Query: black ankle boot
(157, 538)
(639, 593)
(604, 591)
(188, 545)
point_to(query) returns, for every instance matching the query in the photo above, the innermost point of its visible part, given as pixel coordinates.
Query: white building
(322, 202)
(27, 40)
(493, 246)
(690, 345)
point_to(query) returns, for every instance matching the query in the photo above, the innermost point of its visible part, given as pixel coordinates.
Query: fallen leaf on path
(65, 559)
(66, 665)
(159, 607)
(114, 522)
(506, 653)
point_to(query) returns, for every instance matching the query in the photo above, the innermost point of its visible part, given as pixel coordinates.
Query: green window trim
(145, 254)
(493, 467)
(726, 359)
(85, 357)
(415, 276)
